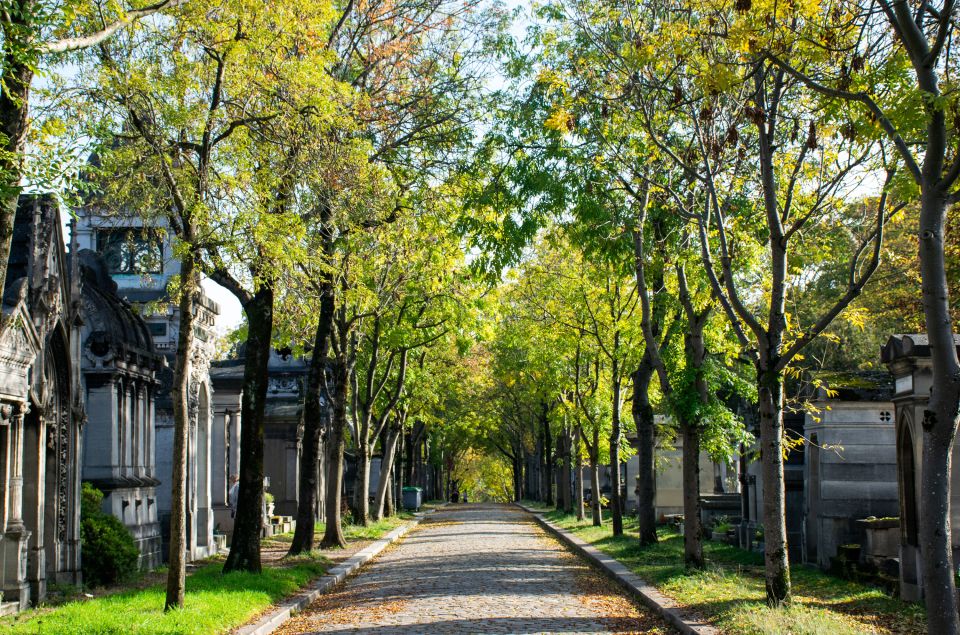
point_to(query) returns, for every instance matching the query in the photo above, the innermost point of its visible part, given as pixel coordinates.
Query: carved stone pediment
(19, 347)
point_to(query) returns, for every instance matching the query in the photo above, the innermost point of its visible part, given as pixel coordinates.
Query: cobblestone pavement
(476, 569)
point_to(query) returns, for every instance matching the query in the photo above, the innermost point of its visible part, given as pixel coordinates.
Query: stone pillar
(34, 502)
(235, 424)
(102, 444)
(219, 461)
(14, 541)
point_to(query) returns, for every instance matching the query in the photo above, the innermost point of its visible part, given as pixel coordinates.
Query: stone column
(219, 461)
(235, 424)
(15, 540)
(15, 484)
(4, 472)
(102, 447)
(34, 496)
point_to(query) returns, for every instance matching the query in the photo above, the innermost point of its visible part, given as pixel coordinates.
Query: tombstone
(850, 470)
(908, 358)
(41, 414)
(119, 376)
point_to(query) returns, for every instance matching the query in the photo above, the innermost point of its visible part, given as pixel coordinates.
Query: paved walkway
(476, 569)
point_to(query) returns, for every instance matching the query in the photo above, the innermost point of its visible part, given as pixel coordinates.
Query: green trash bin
(412, 498)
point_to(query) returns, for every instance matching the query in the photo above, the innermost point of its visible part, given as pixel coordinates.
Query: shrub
(109, 554)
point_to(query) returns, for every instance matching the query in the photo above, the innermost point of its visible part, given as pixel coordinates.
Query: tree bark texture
(245, 547)
(646, 447)
(313, 419)
(546, 474)
(939, 421)
(692, 527)
(176, 573)
(777, 565)
(333, 529)
(14, 114)
(386, 468)
(595, 479)
(578, 477)
(695, 351)
(616, 508)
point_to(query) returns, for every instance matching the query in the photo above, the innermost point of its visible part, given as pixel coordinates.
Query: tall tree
(37, 33)
(866, 69)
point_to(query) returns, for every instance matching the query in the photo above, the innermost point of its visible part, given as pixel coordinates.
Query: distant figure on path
(233, 494)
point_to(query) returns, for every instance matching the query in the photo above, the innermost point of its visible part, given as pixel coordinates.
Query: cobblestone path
(476, 569)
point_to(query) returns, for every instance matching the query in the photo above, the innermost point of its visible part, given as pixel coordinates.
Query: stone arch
(63, 441)
(906, 460)
(50, 462)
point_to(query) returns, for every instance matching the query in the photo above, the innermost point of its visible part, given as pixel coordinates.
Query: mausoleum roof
(112, 327)
(857, 385)
(909, 345)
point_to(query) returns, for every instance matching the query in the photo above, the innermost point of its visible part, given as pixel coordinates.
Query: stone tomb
(41, 416)
(140, 259)
(908, 358)
(120, 369)
(850, 467)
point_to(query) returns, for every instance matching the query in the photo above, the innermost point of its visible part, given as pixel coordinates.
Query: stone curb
(287, 608)
(667, 608)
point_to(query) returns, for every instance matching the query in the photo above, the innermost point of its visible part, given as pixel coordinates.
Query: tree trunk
(313, 411)
(939, 420)
(386, 469)
(695, 352)
(245, 547)
(399, 471)
(777, 566)
(333, 530)
(578, 477)
(361, 488)
(547, 476)
(14, 113)
(615, 433)
(595, 479)
(176, 573)
(692, 527)
(646, 448)
(564, 487)
(517, 480)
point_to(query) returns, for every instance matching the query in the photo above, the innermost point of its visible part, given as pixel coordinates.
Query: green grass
(214, 603)
(730, 592)
(537, 506)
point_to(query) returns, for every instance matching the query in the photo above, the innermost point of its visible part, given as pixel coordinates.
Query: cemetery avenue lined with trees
(680, 276)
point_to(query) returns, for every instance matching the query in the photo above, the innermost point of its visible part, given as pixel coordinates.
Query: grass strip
(214, 602)
(730, 594)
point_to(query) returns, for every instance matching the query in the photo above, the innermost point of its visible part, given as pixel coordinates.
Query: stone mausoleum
(850, 464)
(120, 370)
(908, 358)
(139, 258)
(41, 413)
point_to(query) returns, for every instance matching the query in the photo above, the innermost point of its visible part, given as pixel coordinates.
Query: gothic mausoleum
(41, 414)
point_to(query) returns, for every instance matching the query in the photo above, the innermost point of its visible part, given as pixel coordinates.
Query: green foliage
(109, 552)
